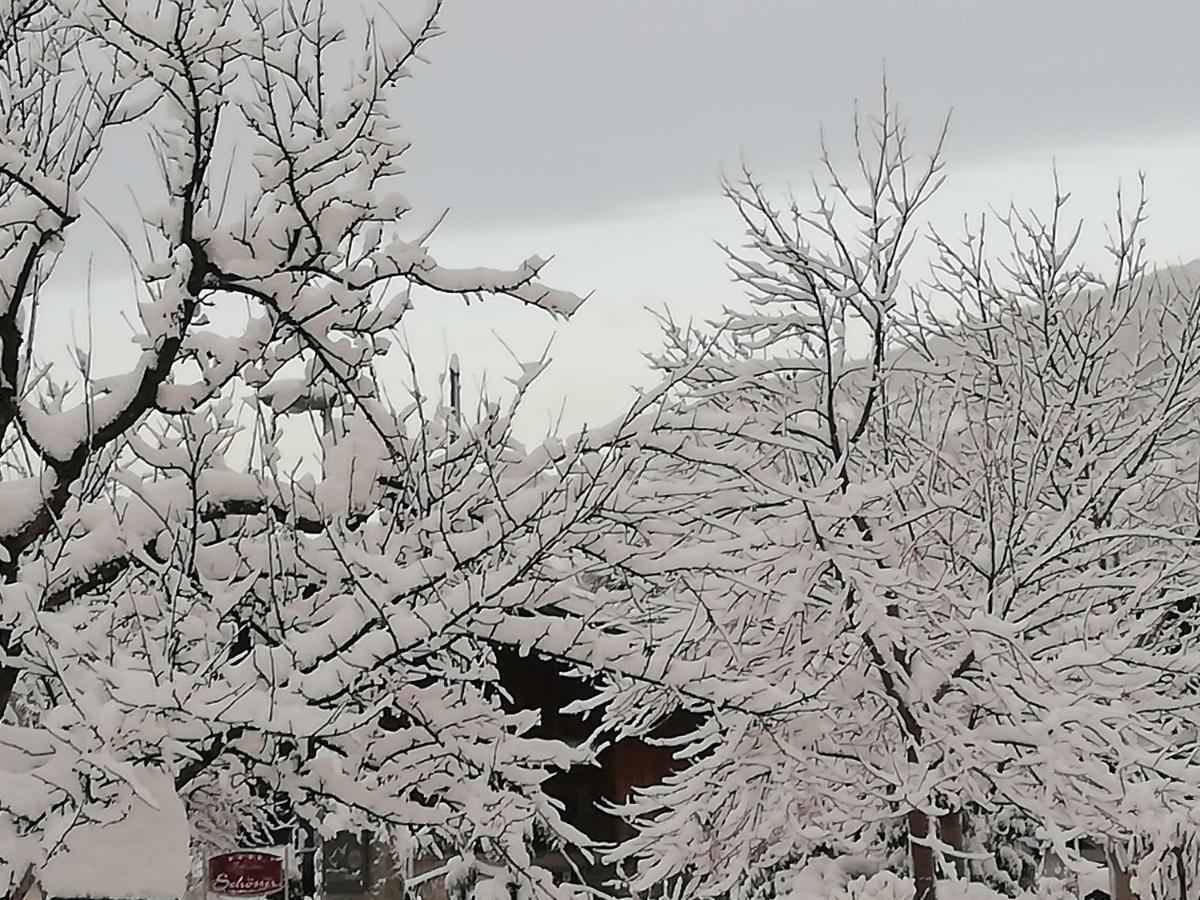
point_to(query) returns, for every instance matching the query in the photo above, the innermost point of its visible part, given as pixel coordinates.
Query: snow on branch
(270, 643)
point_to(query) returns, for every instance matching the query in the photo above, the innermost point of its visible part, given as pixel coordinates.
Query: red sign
(245, 873)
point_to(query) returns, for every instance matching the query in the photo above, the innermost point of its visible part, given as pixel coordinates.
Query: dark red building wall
(540, 684)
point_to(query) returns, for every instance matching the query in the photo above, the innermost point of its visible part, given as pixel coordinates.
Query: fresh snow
(143, 856)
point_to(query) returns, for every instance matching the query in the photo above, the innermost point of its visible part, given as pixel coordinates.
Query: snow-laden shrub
(842, 879)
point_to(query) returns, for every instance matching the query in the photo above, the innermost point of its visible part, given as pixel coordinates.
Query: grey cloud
(559, 109)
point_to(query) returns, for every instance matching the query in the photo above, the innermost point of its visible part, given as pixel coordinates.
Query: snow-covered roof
(144, 856)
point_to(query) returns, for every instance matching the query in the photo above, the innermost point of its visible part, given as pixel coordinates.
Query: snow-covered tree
(285, 646)
(1068, 434)
(757, 548)
(921, 564)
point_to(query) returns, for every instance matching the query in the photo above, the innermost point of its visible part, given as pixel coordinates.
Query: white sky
(595, 131)
(662, 254)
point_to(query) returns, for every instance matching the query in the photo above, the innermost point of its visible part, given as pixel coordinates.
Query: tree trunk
(950, 827)
(924, 865)
(25, 885)
(8, 674)
(1120, 879)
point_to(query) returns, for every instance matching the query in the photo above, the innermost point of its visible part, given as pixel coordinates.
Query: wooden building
(533, 684)
(536, 683)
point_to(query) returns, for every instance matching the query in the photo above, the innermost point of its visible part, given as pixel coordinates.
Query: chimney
(455, 390)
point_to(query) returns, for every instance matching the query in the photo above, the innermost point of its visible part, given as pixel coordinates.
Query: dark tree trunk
(924, 864)
(951, 830)
(1121, 879)
(25, 885)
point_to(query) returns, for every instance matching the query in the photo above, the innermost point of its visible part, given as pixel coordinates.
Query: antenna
(455, 390)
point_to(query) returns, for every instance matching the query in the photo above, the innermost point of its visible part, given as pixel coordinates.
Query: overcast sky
(540, 110)
(595, 130)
